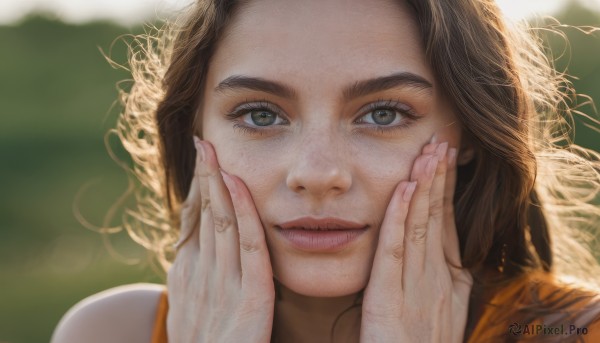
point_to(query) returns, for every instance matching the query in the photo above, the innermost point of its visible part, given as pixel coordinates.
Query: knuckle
(205, 203)
(222, 221)
(249, 245)
(418, 233)
(396, 251)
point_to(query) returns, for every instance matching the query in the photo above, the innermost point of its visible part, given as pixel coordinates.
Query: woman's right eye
(256, 115)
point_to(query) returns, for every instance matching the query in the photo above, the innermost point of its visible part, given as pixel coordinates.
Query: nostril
(299, 189)
(318, 180)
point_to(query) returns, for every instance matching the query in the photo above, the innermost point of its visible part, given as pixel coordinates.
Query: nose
(319, 167)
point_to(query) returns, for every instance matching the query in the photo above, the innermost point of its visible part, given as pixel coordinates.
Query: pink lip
(322, 235)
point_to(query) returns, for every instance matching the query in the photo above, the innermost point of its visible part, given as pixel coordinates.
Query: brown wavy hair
(528, 193)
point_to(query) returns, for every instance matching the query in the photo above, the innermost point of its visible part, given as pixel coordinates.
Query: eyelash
(244, 109)
(392, 105)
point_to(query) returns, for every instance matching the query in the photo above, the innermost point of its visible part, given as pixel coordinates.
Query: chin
(323, 283)
(320, 290)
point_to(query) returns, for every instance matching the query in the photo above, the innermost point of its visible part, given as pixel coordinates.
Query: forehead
(319, 45)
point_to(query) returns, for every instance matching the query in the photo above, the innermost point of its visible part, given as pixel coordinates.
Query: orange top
(502, 318)
(159, 333)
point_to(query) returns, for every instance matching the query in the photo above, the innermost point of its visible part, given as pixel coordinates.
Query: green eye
(383, 116)
(386, 116)
(262, 117)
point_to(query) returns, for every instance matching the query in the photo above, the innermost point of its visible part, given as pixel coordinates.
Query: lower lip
(322, 241)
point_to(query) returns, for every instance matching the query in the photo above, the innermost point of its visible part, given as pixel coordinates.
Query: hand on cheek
(416, 293)
(220, 286)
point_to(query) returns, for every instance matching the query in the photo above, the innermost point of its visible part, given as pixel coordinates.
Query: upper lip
(329, 223)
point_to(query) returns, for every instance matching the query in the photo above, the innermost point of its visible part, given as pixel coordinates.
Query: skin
(340, 167)
(332, 171)
(319, 161)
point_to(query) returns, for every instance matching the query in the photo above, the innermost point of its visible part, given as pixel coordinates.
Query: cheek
(247, 164)
(386, 163)
(377, 176)
(258, 170)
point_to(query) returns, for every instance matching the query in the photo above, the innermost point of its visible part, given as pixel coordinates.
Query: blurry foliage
(579, 57)
(56, 97)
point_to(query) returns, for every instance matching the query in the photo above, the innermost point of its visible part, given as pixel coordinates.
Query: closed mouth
(321, 224)
(320, 228)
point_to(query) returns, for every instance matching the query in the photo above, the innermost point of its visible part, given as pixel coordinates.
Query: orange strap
(159, 333)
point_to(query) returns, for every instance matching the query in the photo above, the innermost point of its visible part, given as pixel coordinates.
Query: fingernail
(228, 181)
(452, 157)
(433, 138)
(441, 149)
(432, 165)
(199, 148)
(408, 192)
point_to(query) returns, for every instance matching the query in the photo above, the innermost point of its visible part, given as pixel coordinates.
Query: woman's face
(345, 103)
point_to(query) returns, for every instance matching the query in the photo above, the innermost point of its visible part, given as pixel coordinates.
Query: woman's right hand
(220, 285)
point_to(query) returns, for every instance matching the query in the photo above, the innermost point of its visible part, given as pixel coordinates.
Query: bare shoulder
(121, 314)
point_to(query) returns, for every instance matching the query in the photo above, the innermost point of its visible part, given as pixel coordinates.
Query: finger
(436, 209)
(206, 235)
(461, 277)
(190, 210)
(227, 255)
(257, 272)
(389, 257)
(418, 214)
(451, 244)
(429, 148)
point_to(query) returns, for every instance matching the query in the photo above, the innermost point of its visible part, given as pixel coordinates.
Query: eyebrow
(369, 86)
(236, 82)
(357, 89)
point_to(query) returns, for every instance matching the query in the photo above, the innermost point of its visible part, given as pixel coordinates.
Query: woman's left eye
(262, 117)
(382, 116)
(387, 115)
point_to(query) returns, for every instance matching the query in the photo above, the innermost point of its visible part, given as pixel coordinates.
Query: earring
(502, 259)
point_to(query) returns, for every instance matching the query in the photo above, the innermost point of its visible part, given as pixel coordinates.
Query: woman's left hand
(417, 291)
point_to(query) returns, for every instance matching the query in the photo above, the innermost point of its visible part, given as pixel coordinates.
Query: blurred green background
(56, 103)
